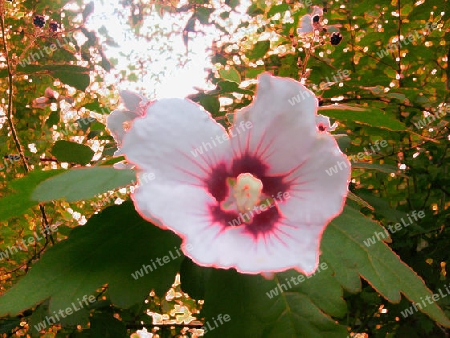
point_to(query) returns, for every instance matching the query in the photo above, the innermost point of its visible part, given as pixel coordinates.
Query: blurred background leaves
(398, 94)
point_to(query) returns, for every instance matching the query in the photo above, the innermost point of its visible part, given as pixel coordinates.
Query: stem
(305, 61)
(399, 33)
(9, 114)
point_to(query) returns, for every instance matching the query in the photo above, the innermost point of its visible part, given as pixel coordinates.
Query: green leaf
(108, 249)
(231, 87)
(88, 10)
(31, 69)
(19, 201)
(259, 50)
(9, 324)
(53, 119)
(254, 10)
(80, 317)
(132, 77)
(72, 75)
(384, 168)
(106, 65)
(196, 278)
(399, 96)
(406, 9)
(210, 103)
(257, 308)
(382, 206)
(364, 115)
(293, 305)
(40, 6)
(343, 246)
(232, 3)
(359, 200)
(230, 74)
(82, 183)
(85, 123)
(95, 106)
(343, 141)
(108, 151)
(203, 14)
(252, 73)
(76, 80)
(277, 9)
(105, 325)
(72, 152)
(97, 126)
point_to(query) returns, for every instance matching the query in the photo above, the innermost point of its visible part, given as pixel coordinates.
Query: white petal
(51, 94)
(324, 121)
(122, 165)
(319, 185)
(283, 119)
(115, 123)
(306, 25)
(144, 333)
(176, 140)
(131, 100)
(317, 11)
(288, 247)
(181, 207)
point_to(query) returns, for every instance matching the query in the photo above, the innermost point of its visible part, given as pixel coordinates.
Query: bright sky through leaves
(178, 81)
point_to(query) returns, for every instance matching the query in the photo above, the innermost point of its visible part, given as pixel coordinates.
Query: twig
(11, 109)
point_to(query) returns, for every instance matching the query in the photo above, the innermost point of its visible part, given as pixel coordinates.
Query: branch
(11, 109)
(9, 113)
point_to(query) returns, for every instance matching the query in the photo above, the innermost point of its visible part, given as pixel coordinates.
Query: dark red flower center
(263, 220)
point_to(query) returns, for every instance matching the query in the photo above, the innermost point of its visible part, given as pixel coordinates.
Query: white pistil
(247, 192)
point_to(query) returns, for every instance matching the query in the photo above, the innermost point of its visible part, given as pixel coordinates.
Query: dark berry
(336, 38)
(316, 18)
(53, 26)
(39, 21)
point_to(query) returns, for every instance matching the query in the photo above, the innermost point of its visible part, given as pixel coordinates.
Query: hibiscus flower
(324, 124)
(119, 121)
(311, 22)
(255, 197)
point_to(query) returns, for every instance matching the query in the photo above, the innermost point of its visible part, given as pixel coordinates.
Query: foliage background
(394, 93)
